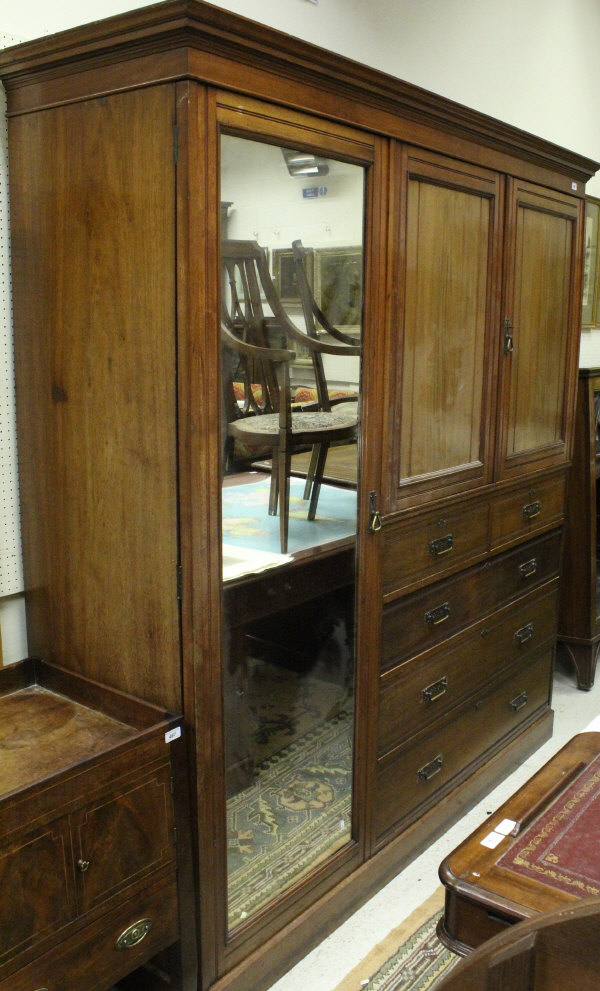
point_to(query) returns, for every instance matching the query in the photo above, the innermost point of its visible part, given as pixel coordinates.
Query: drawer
(92, 960)
(413, 778)
(521, 512)
(264, 594)
(422, 690)
(426, 618)
(421, 549)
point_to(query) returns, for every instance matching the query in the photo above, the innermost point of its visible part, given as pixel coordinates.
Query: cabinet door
(447, 265)
(542, 300)
(122, 837)
(36, 881)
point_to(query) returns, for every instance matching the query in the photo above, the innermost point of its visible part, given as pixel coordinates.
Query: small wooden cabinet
(88, 853)
(579, 616)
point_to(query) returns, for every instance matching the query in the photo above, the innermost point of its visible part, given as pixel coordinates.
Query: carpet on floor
(247, 524)
(410, 958)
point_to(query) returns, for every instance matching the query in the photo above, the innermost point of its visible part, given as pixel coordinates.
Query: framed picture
(338, 285)
(284, 273)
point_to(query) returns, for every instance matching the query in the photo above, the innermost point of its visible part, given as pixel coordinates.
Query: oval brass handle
(441, 545)
(134, 934)
(519, 702)
(532, 509)
(528, 568)
(430, 770)
(436, 690)
(83, 865)
(524, 634)
(438, 615)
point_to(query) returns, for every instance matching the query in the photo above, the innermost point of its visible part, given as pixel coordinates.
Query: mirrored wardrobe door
(291, 262)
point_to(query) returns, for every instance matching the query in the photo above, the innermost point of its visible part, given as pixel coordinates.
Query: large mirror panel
(291, 339)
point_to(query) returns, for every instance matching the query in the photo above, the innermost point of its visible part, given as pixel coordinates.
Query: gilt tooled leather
(561, 848)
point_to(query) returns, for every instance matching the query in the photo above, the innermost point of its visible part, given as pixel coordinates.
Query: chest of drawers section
(88, 855)
(466, 660)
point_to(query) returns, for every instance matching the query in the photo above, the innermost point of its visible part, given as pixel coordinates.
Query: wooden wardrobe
(125, 136)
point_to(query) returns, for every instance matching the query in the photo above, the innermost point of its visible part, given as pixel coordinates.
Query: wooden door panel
(444, 358)
(123, 837)
(540, 307)
(36, 880)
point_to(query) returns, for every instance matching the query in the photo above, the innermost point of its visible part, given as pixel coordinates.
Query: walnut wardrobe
(348, 699)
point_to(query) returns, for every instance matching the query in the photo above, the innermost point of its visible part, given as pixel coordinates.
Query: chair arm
(279, 355)
(312, 343)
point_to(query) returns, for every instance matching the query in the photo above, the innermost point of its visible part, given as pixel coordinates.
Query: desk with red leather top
(538, 852)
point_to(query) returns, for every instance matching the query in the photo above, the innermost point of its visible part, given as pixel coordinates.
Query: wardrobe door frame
(441, 170)
(232, 113)
(526, 195)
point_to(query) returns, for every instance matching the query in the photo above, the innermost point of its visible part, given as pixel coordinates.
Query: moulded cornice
(177, 25)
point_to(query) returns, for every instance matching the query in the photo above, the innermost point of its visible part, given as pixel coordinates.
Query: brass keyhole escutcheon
(83, 865)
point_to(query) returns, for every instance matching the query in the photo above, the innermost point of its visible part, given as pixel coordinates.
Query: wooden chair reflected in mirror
(260, 343)
(316, 323)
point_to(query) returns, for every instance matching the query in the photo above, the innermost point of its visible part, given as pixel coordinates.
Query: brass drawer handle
(532, 509)
(438, 615)
(528, 568)
(134, 934)
(83, 865)
(430, 770)
(519, 702)
(524, 634)
(441, 545)
(435, 691)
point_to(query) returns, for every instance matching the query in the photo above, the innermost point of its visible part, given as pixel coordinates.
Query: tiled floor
(325, 966)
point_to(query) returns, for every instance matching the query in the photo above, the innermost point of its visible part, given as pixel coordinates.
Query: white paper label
(505, 827)
(492, 840)
(172, 734)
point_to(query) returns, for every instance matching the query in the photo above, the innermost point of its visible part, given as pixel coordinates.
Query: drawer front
(413, 778)
(36, 884)
(123, 836)
(523, 511)
(422, 690)
(92, 959)
(426, 618)
(422, 549)
(283, 588)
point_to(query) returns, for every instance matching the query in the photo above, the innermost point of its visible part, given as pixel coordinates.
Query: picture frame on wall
(338, 285)
(284, 273)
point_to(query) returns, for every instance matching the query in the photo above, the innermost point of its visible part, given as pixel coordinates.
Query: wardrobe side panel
(92, 194)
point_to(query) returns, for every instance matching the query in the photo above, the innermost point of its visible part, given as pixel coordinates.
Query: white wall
(533, 64)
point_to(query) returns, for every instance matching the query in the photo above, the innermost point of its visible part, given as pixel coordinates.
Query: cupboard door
(445, 302)
(36, 881)
(122, 837)
(540, 318)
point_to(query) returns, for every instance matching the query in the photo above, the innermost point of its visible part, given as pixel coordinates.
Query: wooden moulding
(163, 38)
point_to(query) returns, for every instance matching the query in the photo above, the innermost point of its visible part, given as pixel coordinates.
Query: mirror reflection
(291, 263)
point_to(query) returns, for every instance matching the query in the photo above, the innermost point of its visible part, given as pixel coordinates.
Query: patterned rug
(410, 958)
(293, 816)
(293, 811)
(247, 524)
